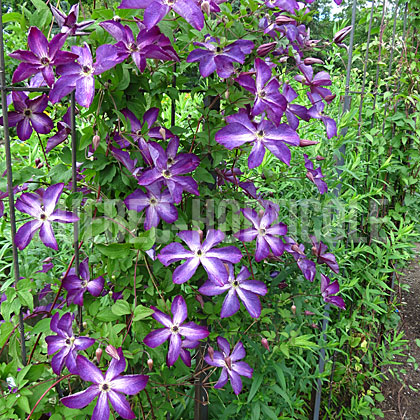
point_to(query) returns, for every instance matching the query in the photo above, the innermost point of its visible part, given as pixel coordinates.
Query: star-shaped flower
(315, 175)
(108, 388)
(205, 254)
(246, 290)
(68, 23)
(174, 328)
(232, 367)
(41, 205)
(319, 250)
(329, 289)
(66, 342)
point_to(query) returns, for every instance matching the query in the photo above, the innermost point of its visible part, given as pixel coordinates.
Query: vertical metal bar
(340, 162)
(10, 181)
(74, 176)
(403, 38)
(173, 105)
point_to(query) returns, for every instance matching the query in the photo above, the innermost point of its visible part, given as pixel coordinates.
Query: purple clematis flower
(213, 57)
(158, 205)
(317, 112)
(169, 166)
(246, 290)
(185, 354)
(316, 82)
(232, 367)
(315, 175)
(266, 235)
(29, 115)
(305, 265)
(41, 205)
(77, 286)
(63, 132)
(319, 250)
(3, 195)
(80, 74)
(293, 110)
(146, 45)
(124, 157)
(266, 91)
(68, 23)
(108, 388)
(42, 58)
(174, 328)
(265, 134)
(156, 10)
(211, 259)
(66, 342)
(329, 289)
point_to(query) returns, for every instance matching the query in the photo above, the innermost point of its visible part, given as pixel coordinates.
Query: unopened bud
(110, 293)
(306, 143)
(112, 351)
(329, 98)
(314, 250)
(295, 248)
(264, 49)
(84, 324)
(211, 352)
(200, 234)
(116, 18)
(47, 260)
(312, 60)
(200, 300)
(150, 364)
(284, 20)
(37, 161)
(40, 165)
(205, 7)
(227, 95)
(162, 132)
(261, 213)
(98, 354)
(341, 34)
(282, 285)
(309, 313)
(228, 361)
(310, 176)
(264, 343)
(95, 141)
(313, 325)
(319, 158)
(113, 277)
(293, 308)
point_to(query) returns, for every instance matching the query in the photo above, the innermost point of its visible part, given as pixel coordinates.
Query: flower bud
(205, 7)
(319, 158)
(227, 95)
(211, 352)
(40, 165)
(282, 285)
(37, 161)
(261, 213)
(150, 364)
(341, 34)
(306, 143)
(295, 248)
(95, 141)
(309, 313)
(116, 18)
(284, 20)
(310, 177)
(98, 354)
(113, 277)
(162, 132)
(200, 234)
(264, 49)
(314, 250)
(112, 351)
(313, 325)
(264, 343)
(47, 260)
(312, 60)
(200, 300)
(84, 324)
(293, 308)
(329, 98)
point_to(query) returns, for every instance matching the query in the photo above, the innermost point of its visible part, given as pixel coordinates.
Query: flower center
(45, 61)
(218, 50)
(235, 283)
(199, 253)
(84, 283)
(175, 329)
(261, 94)
(260, 134)
(138, 132)
(133, 47)
(262, 231)
(153, 201)
(166, 173)
(170, 161)
(27, 112)
(170, 3)
(87, 70)
(105, 388)
(68, 341)
(43, 216)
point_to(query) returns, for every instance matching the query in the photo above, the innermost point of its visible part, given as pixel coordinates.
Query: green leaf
(141, 312)
(105, 315)
(5, 329)
(145, 240)
(42, 326)
(121, 307)
(269, 412)
(256, 383)
(114, 250)
(202, 174)
(23, 404)
(26, 299)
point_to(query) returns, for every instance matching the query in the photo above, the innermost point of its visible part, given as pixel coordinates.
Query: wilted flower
(63, 132)
(319, 250)
(232, 367)
(315, 175)
(246, 290)
(174, 328)
(307, 266)
(317, 111)
(329, 289)
(211, 259)
(66, 342)
(41, 205)
(108, 388)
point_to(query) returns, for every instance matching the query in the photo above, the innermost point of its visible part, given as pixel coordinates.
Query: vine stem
(249, 260)
(153, 281)
(43, 151)
(46, 392)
